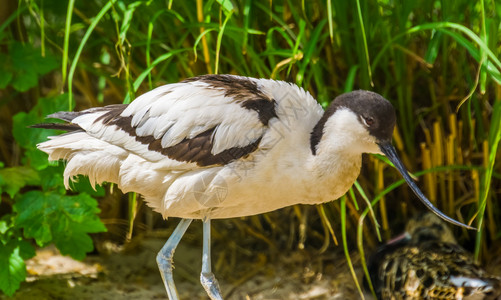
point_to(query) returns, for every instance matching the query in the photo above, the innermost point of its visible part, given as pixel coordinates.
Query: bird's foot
(211, 286)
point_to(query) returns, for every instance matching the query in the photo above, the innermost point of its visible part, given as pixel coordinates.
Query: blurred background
(436, 61)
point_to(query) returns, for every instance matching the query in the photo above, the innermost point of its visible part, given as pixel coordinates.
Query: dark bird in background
(427, 263)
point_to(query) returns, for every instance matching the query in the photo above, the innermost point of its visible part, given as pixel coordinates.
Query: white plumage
(221, 146)
(181, 111)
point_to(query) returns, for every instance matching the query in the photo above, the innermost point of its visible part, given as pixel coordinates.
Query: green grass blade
(199, 38)
(220, 37)
(345, 246)
(148, 43)
(494, 138)
(330, 19)
(86, 36)
(67, 30)
(369, 206)
(364, 38)
(475, 53)
(360, 246)
(350, 79)
(311, 46)
(433, 47)
(439, 25)
(127, 20)
(246, 13)
(145, 73)
(483, 35)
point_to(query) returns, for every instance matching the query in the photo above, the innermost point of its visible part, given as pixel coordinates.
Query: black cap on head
(370, 107)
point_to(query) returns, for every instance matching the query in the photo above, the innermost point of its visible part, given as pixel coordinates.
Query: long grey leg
(207, 278)
(164, 258)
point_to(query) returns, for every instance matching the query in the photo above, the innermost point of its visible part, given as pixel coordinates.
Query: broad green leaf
(82, 185)
(13, 270)
(24, 79)
(27, 64)
(24, 57)
(13, 179)
(26, 250)
(64, 220)
(52, 178)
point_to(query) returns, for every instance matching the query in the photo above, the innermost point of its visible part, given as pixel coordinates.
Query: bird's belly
(239, 191)
(255, 198)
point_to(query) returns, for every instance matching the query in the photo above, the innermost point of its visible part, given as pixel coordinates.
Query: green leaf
(61, 219)
(13, 270)
(433, 47)
(26, 250)
(5, 73)
(5, 79)
(24, 79)
(4, 226)
(226, 5)
(28, 137)
(82, 185)
(52, 178)
(24, 57)
(27, 64)
(13, 179)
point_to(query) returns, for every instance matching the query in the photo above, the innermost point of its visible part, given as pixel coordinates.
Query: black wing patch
(244, 91)
(194, 150)
(197, 149)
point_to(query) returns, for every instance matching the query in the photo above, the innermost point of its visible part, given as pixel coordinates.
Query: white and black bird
(224, 146)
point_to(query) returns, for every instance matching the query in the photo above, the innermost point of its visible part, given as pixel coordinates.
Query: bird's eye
(369, 121)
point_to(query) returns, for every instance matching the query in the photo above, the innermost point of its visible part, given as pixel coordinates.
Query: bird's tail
(84, 154)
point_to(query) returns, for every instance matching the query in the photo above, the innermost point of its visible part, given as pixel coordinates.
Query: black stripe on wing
(68, 116)
(58, 126)
(244, 91)
(194, 150)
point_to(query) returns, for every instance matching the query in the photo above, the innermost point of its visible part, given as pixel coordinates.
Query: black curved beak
(391, 154)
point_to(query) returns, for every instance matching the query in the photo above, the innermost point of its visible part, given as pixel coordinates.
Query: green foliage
(13, 179)
(50, 217)
(28, 137)
(46, 215)
(14, 270)
(13, 251)
(22, 65)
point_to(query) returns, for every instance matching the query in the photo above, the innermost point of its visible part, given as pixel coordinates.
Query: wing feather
(193, 121)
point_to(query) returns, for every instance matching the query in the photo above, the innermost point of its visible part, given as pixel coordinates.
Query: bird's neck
(335, 171)
(336, 154)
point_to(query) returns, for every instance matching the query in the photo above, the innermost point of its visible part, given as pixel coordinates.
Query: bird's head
(367, 120)
(368, 117)
(427, 227)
